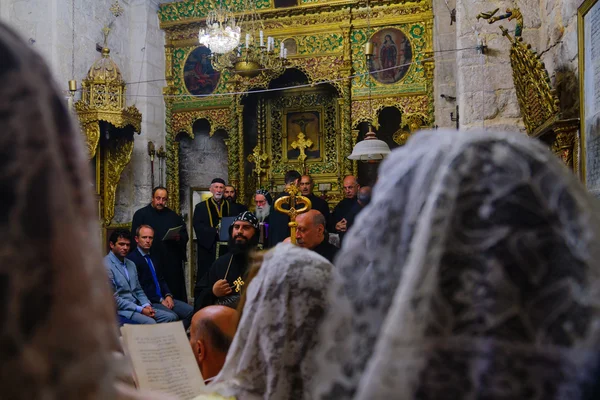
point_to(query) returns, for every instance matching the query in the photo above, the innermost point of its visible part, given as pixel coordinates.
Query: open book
(172, 233)
(162, 359)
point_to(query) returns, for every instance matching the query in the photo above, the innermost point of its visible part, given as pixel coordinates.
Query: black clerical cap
(266, 194)
(218, 180)
(247, 216)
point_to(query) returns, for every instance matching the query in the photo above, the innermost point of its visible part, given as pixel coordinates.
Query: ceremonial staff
(292, 212)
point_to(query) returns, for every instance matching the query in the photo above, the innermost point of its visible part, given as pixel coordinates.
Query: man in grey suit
(131, 301)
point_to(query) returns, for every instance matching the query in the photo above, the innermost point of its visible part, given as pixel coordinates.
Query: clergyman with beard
(230, 194)
(263, 201)
(226, 277)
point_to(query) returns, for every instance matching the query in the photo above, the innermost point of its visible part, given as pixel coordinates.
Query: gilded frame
(284, 137)
(582, 12)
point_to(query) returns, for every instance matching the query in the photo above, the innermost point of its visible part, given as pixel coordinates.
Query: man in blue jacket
(131, 300)
(151, 278)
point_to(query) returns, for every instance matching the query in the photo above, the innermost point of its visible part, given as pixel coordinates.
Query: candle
(284, 52)
(247, 40)
(261, 39)
(281, 50)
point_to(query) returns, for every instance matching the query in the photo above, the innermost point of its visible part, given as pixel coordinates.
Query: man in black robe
(279, 228)
(311, 234)
(223, 283)
(306, 189)
(343, 214)
(264, 204)
(230, 195)
(207, 219)
(171, 253)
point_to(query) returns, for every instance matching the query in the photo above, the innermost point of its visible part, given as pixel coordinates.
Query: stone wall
(136, 45)
(558, 41)
(486, 94)
(444, 80)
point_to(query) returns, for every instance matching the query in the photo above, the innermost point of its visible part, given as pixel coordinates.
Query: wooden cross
(258, 158)
(292, 212)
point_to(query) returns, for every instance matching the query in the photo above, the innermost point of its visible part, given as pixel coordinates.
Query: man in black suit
(151, 279)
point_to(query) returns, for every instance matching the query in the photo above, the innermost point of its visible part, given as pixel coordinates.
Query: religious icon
(392, 55)
(302, 128)
(199, 75)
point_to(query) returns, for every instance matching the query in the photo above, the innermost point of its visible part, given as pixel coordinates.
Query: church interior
(181, 94)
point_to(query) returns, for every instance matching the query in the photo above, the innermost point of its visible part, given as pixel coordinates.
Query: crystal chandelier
(221, 34)
(252, 58)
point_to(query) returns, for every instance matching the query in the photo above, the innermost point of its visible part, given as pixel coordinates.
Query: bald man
(310, 234)
(342, 216)
(211, 333)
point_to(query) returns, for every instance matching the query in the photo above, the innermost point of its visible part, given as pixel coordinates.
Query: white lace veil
(497, 247)
(271, 354)
(57, 325)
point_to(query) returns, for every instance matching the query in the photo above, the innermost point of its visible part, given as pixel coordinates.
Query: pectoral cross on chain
(238, 283)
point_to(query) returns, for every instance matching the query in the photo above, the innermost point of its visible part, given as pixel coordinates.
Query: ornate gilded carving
(218, 118)
(233, 145)
(329, 38)
(116, 158)
(303, 99)
(565, 142)
(537, 99)
(103, 100)
(362, 111)
(257, 158)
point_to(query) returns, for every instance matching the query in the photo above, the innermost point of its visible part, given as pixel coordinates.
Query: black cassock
(235, 273)
(236, 209)
(320, 205)
(345, 209)
(279, 229)
(171, 254)
(207, 215)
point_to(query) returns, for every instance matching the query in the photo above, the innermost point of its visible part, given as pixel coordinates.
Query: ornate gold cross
(292, 212)
(238, 283)
(300, 143)
(258, 158)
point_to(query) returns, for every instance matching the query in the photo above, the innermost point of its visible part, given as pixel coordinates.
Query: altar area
(307, 115)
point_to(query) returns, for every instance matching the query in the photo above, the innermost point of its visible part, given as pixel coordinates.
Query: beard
(263, 212)
(242, 247)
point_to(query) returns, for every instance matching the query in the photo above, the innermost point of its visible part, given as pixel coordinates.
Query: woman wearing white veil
(480, 252)
(271, 356)
(58, 317)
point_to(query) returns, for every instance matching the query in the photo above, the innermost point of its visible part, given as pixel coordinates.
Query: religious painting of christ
(199, 75)
(392, 55)
(311, 142)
